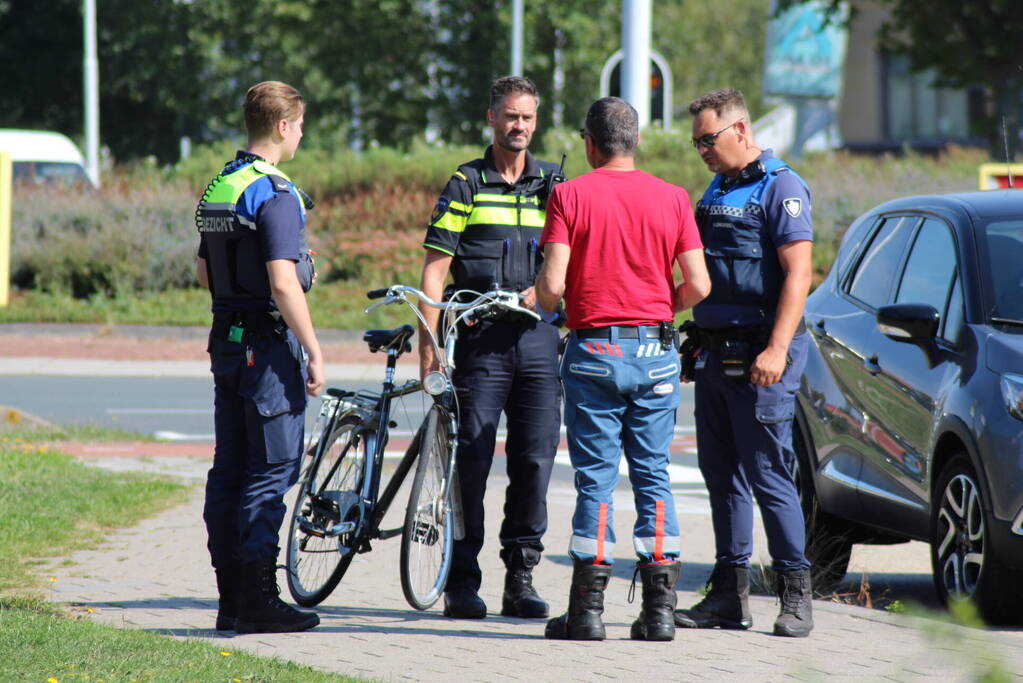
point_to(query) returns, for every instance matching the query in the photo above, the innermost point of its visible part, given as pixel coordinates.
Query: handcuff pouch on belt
(240, 328)
(736, 346)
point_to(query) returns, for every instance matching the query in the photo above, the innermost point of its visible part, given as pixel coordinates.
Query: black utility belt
(714, 339)
(241, 327)
(663, 331)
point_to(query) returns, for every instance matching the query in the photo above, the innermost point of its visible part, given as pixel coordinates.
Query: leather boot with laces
(585, 605)
(795, 620)
(726, 604)
(464, 603)
(656, 617)
(260, 608)
(520, 599)
(228, 579)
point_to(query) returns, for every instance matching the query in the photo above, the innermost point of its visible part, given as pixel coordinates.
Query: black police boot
(795, 620)
(464, 603)
(260, 608)
(520, 598)
(585, 605)
(656, 618)
(726, 604)
(227, 607)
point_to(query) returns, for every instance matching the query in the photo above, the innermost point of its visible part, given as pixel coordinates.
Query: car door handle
(871, 365)
(819, 330)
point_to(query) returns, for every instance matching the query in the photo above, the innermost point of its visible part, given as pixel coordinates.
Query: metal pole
(91, 69)
(636, 64)
(516, 38)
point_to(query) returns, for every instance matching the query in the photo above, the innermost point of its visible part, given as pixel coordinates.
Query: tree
(965, 43)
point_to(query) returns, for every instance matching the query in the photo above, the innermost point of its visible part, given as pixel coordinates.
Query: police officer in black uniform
(485, 231)
(264, 357)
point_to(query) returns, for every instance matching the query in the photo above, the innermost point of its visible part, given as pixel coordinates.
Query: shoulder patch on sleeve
(439, 209)
(793, 206)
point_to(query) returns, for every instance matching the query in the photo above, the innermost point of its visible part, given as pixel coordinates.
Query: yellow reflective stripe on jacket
(451, 221)
(491, 215)
(443, 250)
(459, 206)
(483, 197)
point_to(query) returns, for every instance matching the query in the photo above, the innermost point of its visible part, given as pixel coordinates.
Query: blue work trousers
(621, 394)
(259, 422)
(744, 438)
(510, 367)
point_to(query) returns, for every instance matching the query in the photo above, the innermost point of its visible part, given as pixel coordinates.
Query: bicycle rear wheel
(426, 542)
(326, 517)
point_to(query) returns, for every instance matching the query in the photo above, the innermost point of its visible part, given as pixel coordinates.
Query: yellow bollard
(5, 226)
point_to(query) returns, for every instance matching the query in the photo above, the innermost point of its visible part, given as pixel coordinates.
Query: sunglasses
(709, 139)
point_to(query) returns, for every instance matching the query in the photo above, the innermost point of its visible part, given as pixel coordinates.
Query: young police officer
(485, 230)
(755, 224)
(264, 356)
(611, 240)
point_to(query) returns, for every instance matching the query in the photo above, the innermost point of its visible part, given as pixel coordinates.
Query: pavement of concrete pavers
(156, 576)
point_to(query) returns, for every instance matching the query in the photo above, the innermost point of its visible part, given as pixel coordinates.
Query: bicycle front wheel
(326, 515)
(426, 542)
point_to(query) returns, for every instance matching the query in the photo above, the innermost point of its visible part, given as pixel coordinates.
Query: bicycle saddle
(398, 338)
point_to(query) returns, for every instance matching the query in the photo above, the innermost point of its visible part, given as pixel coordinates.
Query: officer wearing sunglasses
(754, 220)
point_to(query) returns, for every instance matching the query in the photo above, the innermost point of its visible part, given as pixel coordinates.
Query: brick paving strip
(156, 576)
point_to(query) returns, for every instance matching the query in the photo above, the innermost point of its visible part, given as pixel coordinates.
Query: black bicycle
(337, 511)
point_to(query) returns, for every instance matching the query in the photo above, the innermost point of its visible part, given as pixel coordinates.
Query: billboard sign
(805, 53)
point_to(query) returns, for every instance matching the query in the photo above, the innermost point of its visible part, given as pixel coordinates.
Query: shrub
(112, 242)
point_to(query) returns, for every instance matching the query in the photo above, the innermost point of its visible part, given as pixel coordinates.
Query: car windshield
(49, 172)
(1002, 250)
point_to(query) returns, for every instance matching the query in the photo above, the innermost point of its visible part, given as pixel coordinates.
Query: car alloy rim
(961, 532)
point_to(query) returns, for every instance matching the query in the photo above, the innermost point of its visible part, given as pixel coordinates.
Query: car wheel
(964, 563)
(828, 547)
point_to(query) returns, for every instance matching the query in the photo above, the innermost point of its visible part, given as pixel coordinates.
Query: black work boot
(227, 587)
(656, 618)
(585, 605)
(520, 598)
(726, 604)
(260, 608)
(464, 603)
(795, 620)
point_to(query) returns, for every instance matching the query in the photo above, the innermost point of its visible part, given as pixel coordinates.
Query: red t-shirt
(625, 230)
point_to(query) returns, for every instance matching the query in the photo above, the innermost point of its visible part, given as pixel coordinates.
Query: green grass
(39, 644)
(51, 505)
(14, 434)
(334, 305)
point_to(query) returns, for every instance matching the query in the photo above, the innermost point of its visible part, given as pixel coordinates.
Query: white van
(44, 156)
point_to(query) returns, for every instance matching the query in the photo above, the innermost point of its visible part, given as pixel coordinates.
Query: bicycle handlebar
(495, 297)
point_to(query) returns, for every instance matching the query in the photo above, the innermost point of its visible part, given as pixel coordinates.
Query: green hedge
(137, 235)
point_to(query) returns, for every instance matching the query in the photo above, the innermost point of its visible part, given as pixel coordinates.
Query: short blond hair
(267, 103)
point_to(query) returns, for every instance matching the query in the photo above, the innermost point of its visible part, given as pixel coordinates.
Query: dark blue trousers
(509, 367)
(744, 438)
(259, 421)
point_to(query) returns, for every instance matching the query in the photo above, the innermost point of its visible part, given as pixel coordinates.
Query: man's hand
(314, 385)
(769, 366)
(528, 298)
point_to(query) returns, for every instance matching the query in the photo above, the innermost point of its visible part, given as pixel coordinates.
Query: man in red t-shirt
(610, 241)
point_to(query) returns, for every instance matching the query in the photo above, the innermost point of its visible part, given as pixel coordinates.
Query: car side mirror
(913, 323)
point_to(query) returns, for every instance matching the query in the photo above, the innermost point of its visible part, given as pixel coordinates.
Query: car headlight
(435, 384)
(1012, 394)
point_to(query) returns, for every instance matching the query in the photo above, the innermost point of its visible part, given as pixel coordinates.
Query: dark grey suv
(910, 414)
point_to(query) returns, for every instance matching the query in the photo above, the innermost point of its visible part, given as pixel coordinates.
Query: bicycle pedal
(426, 534)
(311, 529)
